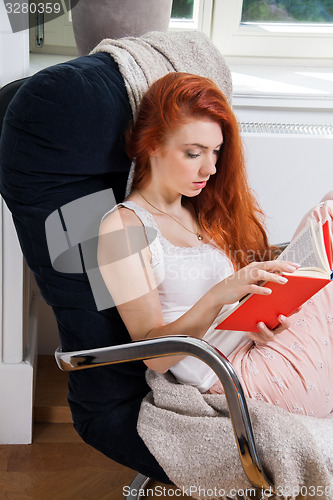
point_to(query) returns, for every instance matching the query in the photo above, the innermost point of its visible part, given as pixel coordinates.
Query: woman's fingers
(283, 325)
(255, 283)
(272, 266)
(267, 271)
(263, 336)
(249, 278)
(266, 334)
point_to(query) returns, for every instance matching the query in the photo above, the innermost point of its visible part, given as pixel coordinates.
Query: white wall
(14, 50)
(17, 357)
(15, 64)
(289, 173)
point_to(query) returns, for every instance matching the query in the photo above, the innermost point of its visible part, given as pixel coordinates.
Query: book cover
(284, 299)
(328, 244)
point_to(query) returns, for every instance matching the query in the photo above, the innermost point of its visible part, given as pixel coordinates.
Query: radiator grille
(323, 130)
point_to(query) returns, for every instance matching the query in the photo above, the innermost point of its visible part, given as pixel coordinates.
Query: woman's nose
(209, 166)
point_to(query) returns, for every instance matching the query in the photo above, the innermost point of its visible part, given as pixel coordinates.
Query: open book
(312, 249)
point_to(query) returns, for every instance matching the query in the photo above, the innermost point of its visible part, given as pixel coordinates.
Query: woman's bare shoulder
(118, 219)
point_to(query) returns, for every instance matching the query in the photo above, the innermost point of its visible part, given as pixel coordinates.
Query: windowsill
(282, 86)
(257, 85)
(41, 61)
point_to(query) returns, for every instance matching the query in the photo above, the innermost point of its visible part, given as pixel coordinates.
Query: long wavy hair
(226, 208)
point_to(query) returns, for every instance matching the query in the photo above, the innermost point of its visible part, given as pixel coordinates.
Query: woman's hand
(266, 335)
(247, 280)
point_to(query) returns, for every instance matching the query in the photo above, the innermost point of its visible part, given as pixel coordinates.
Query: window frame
(268, 40)
(59, 39)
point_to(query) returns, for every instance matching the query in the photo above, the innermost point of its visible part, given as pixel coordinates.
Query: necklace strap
(198, 235)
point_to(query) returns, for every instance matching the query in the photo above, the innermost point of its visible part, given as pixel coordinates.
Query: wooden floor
(59, 465)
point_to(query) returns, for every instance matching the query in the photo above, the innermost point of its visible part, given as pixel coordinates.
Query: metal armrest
(175, 345)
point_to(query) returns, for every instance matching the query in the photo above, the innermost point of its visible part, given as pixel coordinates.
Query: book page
(303, 249)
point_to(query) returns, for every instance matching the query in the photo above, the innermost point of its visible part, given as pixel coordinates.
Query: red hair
(226, 208)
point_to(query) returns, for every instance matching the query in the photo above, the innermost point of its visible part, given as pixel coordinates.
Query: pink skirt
(295, 370)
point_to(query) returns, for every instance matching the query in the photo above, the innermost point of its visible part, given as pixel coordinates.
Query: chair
(7, 94)
(61, 145)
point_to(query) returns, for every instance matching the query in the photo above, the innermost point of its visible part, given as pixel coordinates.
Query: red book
(328, 243)
(312, 248)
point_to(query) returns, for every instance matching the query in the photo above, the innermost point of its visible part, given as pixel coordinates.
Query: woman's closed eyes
(196, 155)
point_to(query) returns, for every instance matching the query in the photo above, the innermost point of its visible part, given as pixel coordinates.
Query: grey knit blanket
(190, 434)
(142, 60)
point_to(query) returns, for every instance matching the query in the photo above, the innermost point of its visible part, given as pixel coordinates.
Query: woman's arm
(129, 278)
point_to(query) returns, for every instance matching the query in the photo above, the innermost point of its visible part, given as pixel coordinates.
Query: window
(274, 28)
(182, 10)
(287, 11)
(54, 36)
(191, 15)
(58, 36)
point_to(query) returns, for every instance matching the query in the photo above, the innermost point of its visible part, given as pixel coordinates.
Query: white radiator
(290, 168)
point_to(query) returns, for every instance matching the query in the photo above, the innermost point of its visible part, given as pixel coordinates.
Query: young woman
(195, 243)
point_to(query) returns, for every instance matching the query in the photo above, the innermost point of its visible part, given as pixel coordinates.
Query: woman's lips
(200, 185)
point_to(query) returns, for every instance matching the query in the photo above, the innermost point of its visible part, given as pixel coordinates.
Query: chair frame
(176, 345)
(139, 484)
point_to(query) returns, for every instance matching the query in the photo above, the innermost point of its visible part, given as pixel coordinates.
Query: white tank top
(183, 275)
